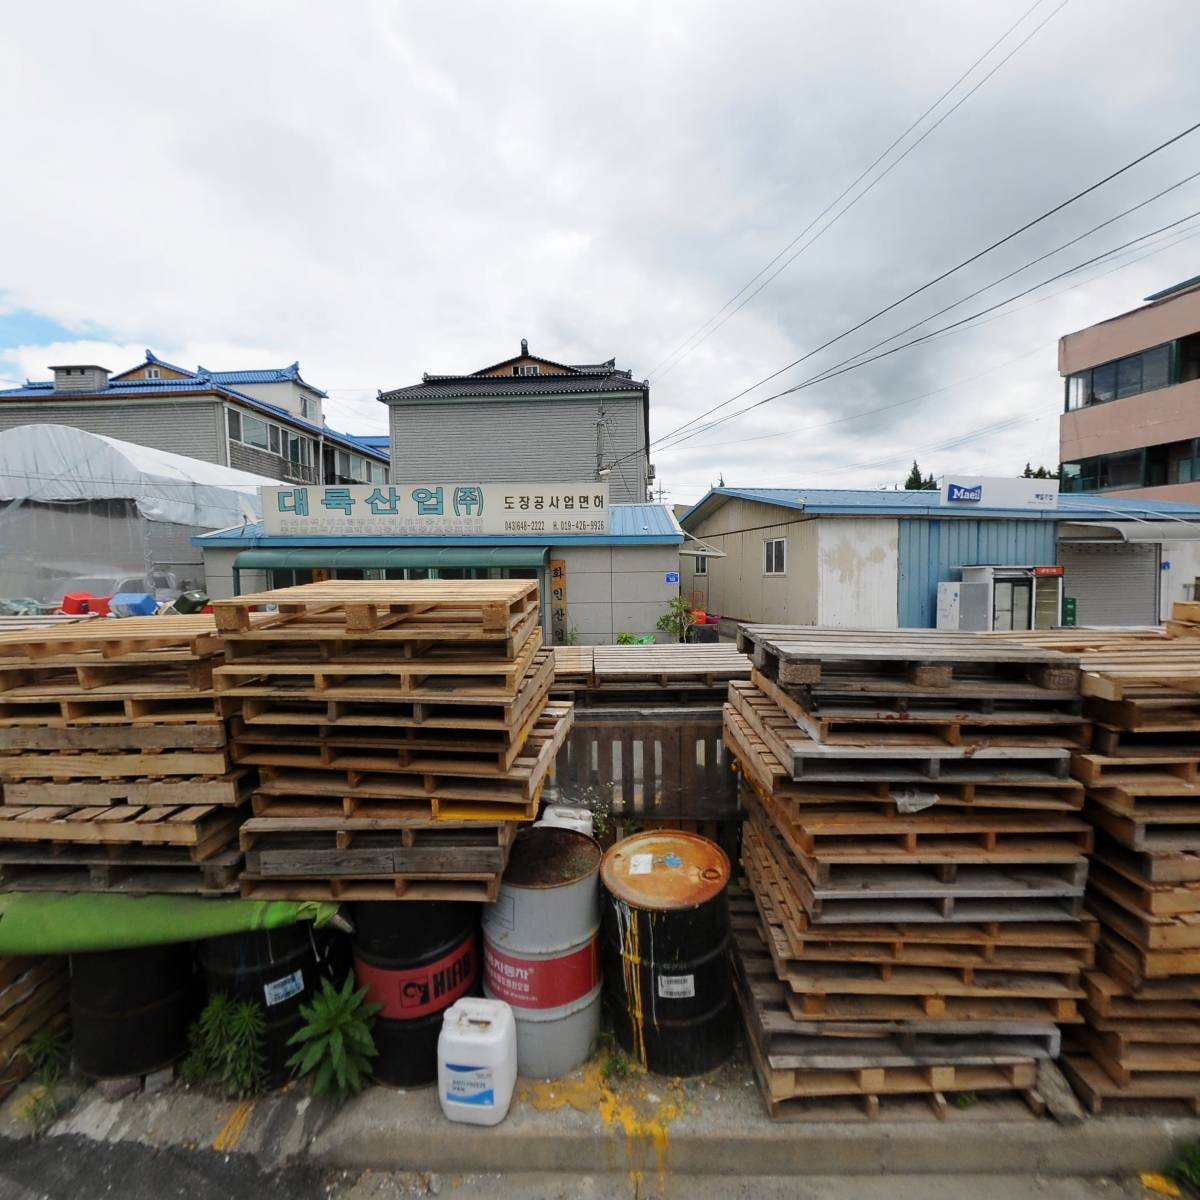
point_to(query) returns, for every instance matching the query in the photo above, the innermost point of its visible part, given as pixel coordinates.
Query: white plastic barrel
(477, 1061)
(567, 816)
(540, 952)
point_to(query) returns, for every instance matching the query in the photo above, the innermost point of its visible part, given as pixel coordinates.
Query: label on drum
(470, 1085)
(502, 912)
(676, 987)
(422, 990)
(284, 989)
(541, 982)
(640, 864)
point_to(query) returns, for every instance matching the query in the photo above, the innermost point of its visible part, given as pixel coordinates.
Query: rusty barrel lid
(665, 869)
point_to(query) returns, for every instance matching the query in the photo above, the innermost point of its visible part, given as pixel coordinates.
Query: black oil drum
(131, 1009)
(665, 951)
(416, 958)
(280, 969)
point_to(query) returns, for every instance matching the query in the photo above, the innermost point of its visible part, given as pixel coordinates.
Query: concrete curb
(406, 1132)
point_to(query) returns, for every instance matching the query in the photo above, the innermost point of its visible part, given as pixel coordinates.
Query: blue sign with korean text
(671, 577)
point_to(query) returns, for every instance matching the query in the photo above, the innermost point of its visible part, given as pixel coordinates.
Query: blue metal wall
(932, 551)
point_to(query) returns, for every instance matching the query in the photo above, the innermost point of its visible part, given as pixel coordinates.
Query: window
(306, 407)
(233, 420)
(1078, 390)
(1104, 383)
(275, 438)
(1130, 376)
(152, 373)
(526, 369)
(775, 556)
(378, 473)
(254, 432)
(701, 567)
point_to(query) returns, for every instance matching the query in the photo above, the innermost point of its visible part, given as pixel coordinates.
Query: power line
(879, 179)
(938, 278)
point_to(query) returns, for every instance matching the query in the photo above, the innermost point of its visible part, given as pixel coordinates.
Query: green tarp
(55, 923)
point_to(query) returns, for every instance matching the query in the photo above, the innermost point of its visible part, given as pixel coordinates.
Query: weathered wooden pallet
(867, 721)
(1115, 771)
(300, 794)
(446, 778)
(375, 853)
(798, 654)
(1149, 710)
(667, 665)
(51, 677)
(1162, 825)
(432, 610)
(1159, 899)
(1155, 866)
(33, 996)
(1110, 998)
(308, 643)
(1115, 909)
(351, 705)
(479, 888)
(1145, 1043)
(153, 872)
(1097, 1089)
(1167, 744)
(1055, 948)
(106, 738)
(806, 759)
(412, 751)
(232, 789)
(148, 704)
(1137, 966)
(343, 833)
(204, 829)
(449, 679)
(132, 638)
(113, 764)
(1138, 1062)
(573, 667)
(762, 769)
(979, 894)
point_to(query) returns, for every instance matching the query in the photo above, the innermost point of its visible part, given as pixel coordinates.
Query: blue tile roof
(630, 524)
(868, 502)
(289, 374)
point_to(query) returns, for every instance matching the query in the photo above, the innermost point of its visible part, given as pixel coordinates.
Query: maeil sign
(967, 492)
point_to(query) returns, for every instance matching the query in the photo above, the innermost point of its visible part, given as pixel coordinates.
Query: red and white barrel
(539, 948)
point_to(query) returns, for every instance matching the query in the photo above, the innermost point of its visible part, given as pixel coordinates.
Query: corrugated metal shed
(931, 551)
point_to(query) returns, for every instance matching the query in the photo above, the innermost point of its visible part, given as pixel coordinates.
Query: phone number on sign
(581, 526)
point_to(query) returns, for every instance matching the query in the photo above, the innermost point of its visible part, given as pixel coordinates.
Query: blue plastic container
(133, 604)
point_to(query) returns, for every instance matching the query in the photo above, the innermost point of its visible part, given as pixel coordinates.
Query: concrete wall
(1175, 580)
(218, 574)
(736, 586)
(284, 394)
(1127, 334)
(1167, 414)
(857, 566)
(616, 589)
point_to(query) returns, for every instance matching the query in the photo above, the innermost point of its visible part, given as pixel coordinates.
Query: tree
(916, 482)
(1040, 473)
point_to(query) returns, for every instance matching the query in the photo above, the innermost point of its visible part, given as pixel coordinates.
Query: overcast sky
(381, 189)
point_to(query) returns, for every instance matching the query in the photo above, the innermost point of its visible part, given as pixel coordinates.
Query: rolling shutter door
(1112, 585)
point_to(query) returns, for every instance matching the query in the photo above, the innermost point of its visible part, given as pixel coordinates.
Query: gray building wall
(522, 441)
(184, 426)
(616, 589)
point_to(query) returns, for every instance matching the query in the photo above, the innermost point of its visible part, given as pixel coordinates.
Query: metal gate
(1112, 585)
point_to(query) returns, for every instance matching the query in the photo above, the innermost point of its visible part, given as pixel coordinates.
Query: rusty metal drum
(665, 951)
(539, 948)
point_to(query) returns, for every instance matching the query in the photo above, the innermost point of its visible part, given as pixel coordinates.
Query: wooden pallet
(798, 654)
(870, 719)
(1116, 771)
(763, 770)
(305, 643)
(804, 759)
(64, 765)
(101, 640)
(477, 888)
(33, 996)
(449, 679)
(1134, 892)
(428, 610)
(1110, 998)
(1098, 1090)
(411, 751)
(667, 665)
(97, 739)
(154, 872)
(231, 789)
(204, 829)
(180, 669)
(572, 667)
(1169, 823)
(1138, 966)
(145, 704)
(300, 794)
(1150, 710)
(1155, 866)
(363, 706)
(979, 894)
(1143, 929)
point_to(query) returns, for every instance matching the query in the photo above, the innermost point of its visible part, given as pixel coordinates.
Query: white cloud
(381, 189)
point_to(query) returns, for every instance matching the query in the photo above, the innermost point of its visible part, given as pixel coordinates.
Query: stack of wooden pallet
(400, 730)
(676, 672)
(114, 764)
(1141, 1037)
(33, 995)
(917, 862)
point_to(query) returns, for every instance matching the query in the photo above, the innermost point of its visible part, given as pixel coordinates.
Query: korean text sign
(436, 509)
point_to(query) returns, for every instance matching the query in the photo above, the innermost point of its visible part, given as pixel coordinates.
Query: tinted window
(1129, 376)
(1078, 389)
(1156, 368)
(1104, 383)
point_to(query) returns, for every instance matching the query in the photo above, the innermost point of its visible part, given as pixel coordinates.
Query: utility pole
(661, 492)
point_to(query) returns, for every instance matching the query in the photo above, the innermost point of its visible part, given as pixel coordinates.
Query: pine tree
(916, 482)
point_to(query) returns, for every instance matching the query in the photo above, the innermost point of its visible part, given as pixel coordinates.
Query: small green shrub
(335, 1043)
(1186, 1167)
(627, 639)
(677, 619)
(966, 1100)
(47, 1053)
(227, 1047)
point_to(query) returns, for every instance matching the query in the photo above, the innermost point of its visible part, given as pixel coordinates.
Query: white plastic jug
(477, 1061)
(567, 816)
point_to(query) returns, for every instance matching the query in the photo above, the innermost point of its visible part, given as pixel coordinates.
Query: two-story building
(1131, 420)
(525, 419)
(269, 422)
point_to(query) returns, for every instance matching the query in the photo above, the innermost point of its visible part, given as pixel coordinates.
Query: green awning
(332, 557)
(59, 923)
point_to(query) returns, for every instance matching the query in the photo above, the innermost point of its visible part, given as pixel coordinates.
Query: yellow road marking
(234, 1127)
